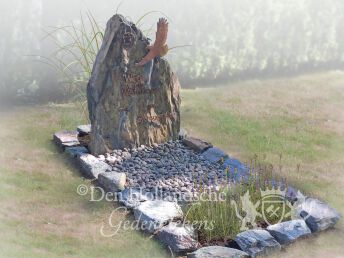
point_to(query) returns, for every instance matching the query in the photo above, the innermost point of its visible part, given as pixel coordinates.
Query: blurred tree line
(230, 39)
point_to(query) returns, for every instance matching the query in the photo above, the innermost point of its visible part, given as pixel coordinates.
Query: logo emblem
(273, 208)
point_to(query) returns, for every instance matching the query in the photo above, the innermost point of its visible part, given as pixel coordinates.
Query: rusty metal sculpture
(159, 48)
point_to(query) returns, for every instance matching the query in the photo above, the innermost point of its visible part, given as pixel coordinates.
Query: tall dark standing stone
(130, 105)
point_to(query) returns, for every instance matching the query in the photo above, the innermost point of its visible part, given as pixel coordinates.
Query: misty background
(223, 40)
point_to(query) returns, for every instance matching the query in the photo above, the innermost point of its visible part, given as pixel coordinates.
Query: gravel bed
(169, 169)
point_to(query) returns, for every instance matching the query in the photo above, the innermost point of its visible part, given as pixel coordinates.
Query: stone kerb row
(160, 217)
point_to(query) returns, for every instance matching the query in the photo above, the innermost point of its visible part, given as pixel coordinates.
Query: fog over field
(222, 41)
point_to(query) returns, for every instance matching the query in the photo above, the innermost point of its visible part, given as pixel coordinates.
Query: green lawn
(300, 119)
(41, 213)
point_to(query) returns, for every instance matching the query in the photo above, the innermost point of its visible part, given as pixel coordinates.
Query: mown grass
(276, 134)
(301, 118)
(41, 213)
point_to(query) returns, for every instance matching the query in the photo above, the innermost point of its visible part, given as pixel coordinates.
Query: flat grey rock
(112, 181)
(257, 242)
(91, 166)
(120, 93)
(180, 238)
(153, 215)
(218, 252)
(131, 198)
(84, 129)
(66, 139)
(317, 214)
(289, 231)
(197, 144)
(76, 151)
(237, 169)
(214, 155)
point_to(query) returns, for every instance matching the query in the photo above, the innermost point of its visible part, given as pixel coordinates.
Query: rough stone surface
(84, 130)
(257, 242)
(197, 144)
(218, 252)
(76, 151)
(236, 168)
(91, 166)
(182, 134)
(112, 181)
(153, 215)
(289, 231)
(317, 214)
(180, 238)
(131, 198)
(234, 163)
(130, 105)
(214, 155)
(66, 139)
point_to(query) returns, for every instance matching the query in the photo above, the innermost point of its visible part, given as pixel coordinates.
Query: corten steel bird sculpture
(159, 48)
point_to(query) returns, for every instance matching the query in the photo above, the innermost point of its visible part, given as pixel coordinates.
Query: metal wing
(161, 34)
(159, 43)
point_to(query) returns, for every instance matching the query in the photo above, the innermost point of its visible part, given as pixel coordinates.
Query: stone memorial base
(150, 180)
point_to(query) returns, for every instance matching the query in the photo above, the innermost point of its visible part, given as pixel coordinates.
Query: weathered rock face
(66, 139)
(132, 198)
(289, 231)
(130, 105)
(214, 155)
(257, 242)
(178, 237)
(317, 214)
(197, 144)
(91, 167)
(112, 181)
(153, 215)
(218, 252)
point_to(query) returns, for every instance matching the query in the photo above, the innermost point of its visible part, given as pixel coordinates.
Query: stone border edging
(158, 216)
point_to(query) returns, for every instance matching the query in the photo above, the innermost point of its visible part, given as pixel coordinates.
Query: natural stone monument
(133, 95)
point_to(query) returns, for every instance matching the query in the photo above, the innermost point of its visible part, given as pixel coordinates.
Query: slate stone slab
(234, 163)
(76, 151)
(131, 198)
(91, 167)
(237, 169)
(153, 215)
(214, 155)
(218, 252)
(112, 181)
(257, 242)
(197, 145)
(84, 130)
(180, 238)
(130, 105)
(317, 214)
(289, 231)
(66, 139)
